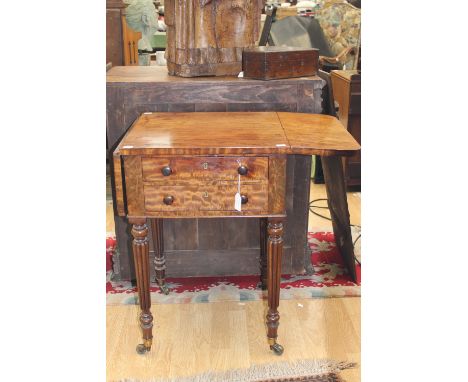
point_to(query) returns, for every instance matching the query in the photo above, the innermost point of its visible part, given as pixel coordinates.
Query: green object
(159, 40)
(313, 167)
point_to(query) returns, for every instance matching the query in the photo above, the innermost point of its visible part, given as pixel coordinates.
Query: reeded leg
(263, 253)
(159, 258)
(275, 254)
(141, 256)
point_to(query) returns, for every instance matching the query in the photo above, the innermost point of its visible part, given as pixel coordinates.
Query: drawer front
(216, 168)
(204, 196)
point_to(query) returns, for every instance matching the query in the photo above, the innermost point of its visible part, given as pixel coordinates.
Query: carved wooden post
(275, 254)
(206, 37)
(263, 253)
(159, 258)
(141, 256)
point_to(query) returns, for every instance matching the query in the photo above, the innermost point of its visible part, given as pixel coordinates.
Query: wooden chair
(341, 25)
(130, 44)
(121, 40)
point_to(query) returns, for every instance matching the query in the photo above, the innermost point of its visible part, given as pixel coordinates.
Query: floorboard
(193, 338)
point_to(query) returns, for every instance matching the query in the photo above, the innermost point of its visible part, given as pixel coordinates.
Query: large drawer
(216, 168)
(204, 196)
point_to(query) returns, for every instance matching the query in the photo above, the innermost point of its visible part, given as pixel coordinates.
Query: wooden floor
(193, 338)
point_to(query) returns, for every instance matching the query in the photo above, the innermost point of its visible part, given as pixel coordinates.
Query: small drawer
(204, 196)
(216, 168)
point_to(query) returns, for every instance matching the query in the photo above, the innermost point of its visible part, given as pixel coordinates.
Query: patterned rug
(329, 280)
(307, 370)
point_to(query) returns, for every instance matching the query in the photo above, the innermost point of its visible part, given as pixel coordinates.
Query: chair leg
(338, 205)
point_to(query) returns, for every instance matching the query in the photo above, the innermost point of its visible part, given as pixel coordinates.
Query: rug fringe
(270, 371)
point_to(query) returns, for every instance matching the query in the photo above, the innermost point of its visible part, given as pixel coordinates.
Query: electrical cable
(327, 218)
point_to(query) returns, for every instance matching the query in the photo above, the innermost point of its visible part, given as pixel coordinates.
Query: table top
(154, 73)
(236, 133)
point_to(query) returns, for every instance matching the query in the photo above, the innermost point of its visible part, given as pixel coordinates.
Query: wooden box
(275, 62)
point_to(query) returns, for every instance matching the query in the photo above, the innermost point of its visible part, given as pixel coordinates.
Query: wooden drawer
(204, 196)
(216, 168)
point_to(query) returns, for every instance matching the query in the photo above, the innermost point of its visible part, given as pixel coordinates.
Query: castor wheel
(141, 349)
(277, 349)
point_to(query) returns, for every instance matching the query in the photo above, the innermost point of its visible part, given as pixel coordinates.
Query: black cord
(327, 218)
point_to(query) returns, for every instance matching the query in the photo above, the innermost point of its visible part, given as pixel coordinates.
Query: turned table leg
(141, 256)
(275, 254)
(263, 253)
(159, 258)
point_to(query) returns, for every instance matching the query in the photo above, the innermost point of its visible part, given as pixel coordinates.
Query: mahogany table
(230, 164)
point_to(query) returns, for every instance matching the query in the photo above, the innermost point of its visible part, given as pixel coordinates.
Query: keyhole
(205, 166)
(205, 194)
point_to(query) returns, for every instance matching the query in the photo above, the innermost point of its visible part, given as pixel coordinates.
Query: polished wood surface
(232, 337)
(347, 93)
(204, 133)
(317, 134)
(134, 90)
(236, 133)
(216, 168)
(207, 37)
(274, 62)
(189, 198)
(274, 253)
(140, 253)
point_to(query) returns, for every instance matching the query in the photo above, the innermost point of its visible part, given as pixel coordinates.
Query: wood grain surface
(196, 196)
(204, 133)
(207, 37)
(277, 184)
(229, 335)
(317, 134)
(158, 74)
(234, 133)
(134, 186)
(221, 168)
(275, 62)
(118, 185)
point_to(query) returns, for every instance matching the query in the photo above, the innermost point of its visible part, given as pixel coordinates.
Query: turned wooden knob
(244, 199)
(168, 200)
(166, 171)
(243, 170)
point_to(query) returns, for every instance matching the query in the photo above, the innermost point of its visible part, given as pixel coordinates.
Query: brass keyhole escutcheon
(205, 166)
(205, 194)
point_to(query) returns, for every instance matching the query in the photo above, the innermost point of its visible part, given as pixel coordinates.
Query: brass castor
(277, 349)
(141, 349)
(144, 347)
